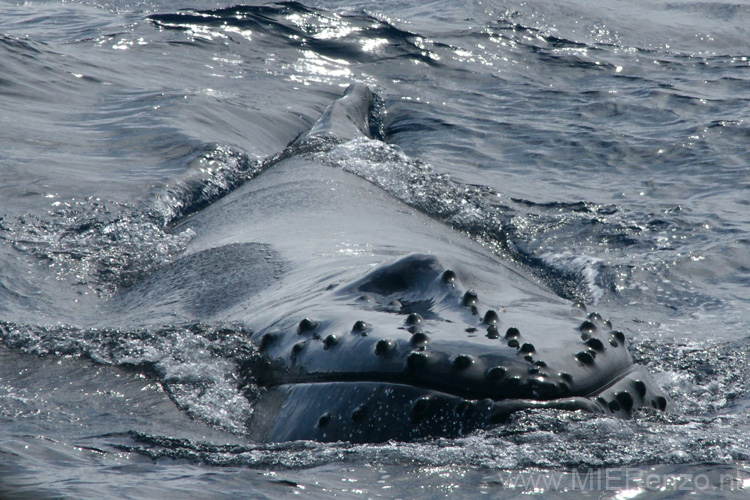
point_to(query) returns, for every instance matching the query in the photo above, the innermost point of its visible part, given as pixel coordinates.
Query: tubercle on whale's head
(420, 347)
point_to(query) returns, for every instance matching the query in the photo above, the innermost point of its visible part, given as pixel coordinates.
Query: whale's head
(362, 335)
(409, 351)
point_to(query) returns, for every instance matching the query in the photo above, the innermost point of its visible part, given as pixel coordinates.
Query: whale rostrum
(374, 321)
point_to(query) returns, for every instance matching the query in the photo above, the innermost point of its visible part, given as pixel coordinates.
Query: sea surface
(605, 144)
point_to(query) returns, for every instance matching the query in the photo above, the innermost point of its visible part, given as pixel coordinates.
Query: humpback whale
(375, 322)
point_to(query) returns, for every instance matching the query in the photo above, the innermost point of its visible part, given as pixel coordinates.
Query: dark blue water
(605, 147)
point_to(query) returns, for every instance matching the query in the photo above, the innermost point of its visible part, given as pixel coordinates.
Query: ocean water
(605, 146)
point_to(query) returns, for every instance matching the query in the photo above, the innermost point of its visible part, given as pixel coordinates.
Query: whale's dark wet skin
(376, 322)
